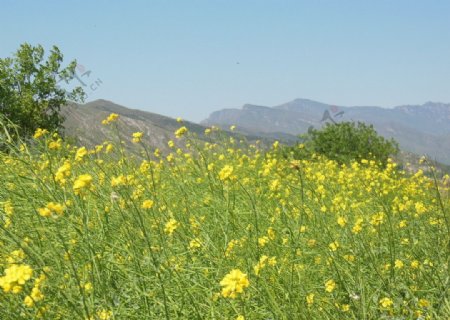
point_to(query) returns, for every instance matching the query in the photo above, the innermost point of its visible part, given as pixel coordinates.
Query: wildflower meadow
(218, 229)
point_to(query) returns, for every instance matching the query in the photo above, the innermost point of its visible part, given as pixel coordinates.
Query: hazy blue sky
(189, 58)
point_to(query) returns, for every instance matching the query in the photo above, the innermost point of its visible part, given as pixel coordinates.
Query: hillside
(421, 129)
(83, 124)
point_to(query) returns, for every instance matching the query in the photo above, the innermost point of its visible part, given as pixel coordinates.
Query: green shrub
(347, 141)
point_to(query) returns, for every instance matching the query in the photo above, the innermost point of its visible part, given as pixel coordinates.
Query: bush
(347, 141)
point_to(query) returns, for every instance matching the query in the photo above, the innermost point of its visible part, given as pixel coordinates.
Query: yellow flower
(109, 148)
(345, 307)
(195, 244)
(8, 208)
(63, 172)
(275, 185)
(312, 243)
(104, 314)
(181, 132)
(88, 287)
(386, 303)
(118, 181)
(330, 285)
(28, 301)
(81, 152)
(341, 221)
(111, 118)
(15, 277)
(377, 219)
(230, 247)
(16, 256)
(349, 257)
(424, 303)
(226, 172)
(51, 208)
(271, 233)
(137, 136)
(39, 133)
(310, 299)
(272, 261)
(54, 145)
(36, 294)
(234, 283)
(147, 204)
(171, 226)
(357, 227)
(398, 264)
(420, 207)
(82, 182)
(262, 241)
(334, 246)
(402, 224)
(261, 264)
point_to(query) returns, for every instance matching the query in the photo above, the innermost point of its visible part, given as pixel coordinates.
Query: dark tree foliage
(347, 141)
(30, 95)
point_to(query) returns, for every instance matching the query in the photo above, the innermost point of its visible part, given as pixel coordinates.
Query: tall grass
(216, 230)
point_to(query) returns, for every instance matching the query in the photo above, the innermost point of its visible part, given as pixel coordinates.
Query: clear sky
(189, 58)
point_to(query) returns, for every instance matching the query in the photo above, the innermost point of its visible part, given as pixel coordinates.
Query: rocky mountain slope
(83, 123)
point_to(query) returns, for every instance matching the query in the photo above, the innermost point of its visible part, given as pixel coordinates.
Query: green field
(216, 230)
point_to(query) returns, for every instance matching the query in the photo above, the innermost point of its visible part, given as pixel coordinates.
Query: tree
(30, 96)
(348, 141)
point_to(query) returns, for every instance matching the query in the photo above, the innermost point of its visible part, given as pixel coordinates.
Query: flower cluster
(234, 283)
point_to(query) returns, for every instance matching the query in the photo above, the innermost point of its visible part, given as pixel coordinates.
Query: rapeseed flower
(63, 173)
(83, 181)
(39, 133)
(386, 303)
(137, 137)
(50, 209)
(226, 172)
(234, 283)
(15, 277)
(147, 204)
(111, 118)
(195, 244)
(334, 246)
(181, 132)
(171, 226)
(330, 285)
(55, 144)
(81, 153)
(310, 299)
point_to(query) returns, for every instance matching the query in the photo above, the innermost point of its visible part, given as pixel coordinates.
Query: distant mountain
(421, 129)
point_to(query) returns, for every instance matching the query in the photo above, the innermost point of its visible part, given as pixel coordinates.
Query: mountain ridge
(422, 129)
